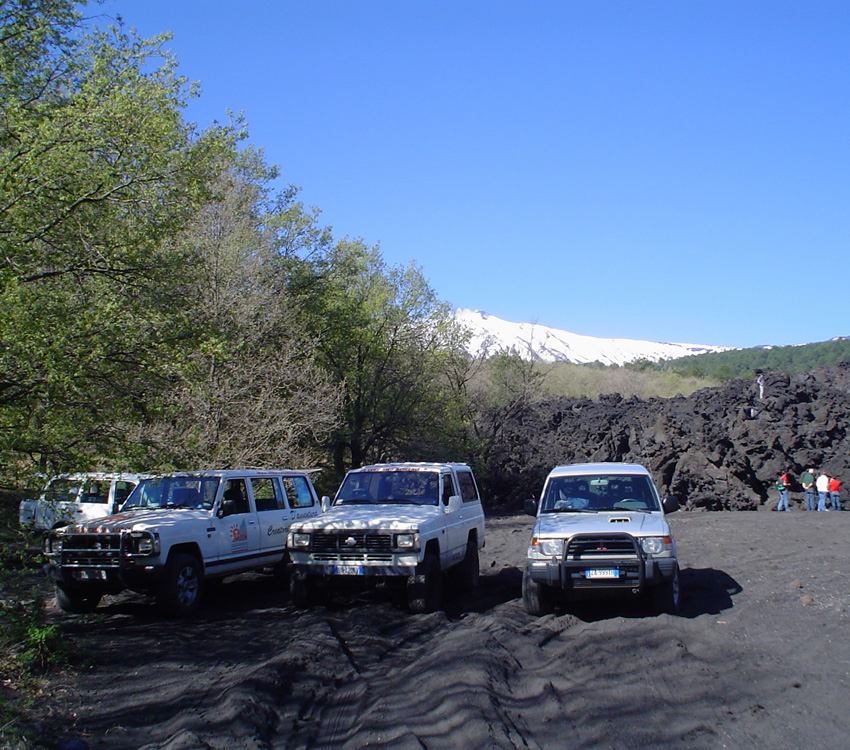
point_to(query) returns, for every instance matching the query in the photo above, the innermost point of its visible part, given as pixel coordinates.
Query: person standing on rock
(834, 490)
(808, 482)
(822, 485)
(760, 382)
(782, 486)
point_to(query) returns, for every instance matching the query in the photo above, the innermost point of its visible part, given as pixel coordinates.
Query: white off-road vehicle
(600, 529)
(177, 531)
(76, 498)
(407, 522)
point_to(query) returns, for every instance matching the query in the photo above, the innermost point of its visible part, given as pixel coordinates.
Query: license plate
(348, 570)
(602, 573)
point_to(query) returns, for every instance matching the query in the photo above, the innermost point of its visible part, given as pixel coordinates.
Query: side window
(267, 495)
(448, 488)
(467, 486)
(122, 490)
(298, 492)
(95, 492)
(235, 498)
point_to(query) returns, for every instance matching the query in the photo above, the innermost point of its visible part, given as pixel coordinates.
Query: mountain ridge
(491, 335)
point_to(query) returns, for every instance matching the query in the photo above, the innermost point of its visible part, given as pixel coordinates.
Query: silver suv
(600, 529)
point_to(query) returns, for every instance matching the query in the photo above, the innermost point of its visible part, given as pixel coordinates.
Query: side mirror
(455, 504)
(530, 507)
(670, 504)
(325, 502)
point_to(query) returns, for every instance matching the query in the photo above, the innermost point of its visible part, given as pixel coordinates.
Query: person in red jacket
(834, 487)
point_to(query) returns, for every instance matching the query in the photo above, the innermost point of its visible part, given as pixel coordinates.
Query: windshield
(592, 493)
(174, 492)
(390, 486)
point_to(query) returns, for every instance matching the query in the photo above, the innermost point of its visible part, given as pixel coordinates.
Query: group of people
(825, 488)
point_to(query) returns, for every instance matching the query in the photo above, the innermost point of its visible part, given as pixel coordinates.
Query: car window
(298, 492)
(449, 488)
(95, 492)
(235, 498)
(122, 491)
(467, 486)
(267, 496)
(599, 492)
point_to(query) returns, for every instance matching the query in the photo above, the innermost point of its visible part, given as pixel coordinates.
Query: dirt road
(759, 657)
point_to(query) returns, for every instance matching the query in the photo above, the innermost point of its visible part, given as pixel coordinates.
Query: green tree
(391, 344)
(245, 386)
(97, 171)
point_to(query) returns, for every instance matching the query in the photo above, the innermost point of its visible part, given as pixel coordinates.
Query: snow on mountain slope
(491, 335)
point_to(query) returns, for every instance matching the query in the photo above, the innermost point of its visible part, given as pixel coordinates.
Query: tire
(466, 574)
(665, 597)
(425, 587)
(301, 590)
(538, 598)
(76, 603)
(181, 588)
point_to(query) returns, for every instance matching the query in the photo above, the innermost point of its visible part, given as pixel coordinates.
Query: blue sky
(674, 171)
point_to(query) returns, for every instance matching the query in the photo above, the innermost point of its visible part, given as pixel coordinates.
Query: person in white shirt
(823, 490)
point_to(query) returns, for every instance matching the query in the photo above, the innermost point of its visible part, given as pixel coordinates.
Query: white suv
(600, 529)
(74, 498)
(407, 522)
(177, 531)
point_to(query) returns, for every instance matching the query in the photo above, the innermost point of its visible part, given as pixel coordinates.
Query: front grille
(91, 550)
(349, 542)
(347, 558)
(601, 546)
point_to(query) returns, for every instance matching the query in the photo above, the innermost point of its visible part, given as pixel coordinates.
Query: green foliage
(743, 363)
(389, 343)
(98, 172)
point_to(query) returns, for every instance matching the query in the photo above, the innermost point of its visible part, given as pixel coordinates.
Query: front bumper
(602, 562)
(101, 563)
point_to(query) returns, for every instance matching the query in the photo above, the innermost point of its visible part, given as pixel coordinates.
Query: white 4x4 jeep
(175, 532)
(600, 529)
(402, 521)
(73, 498)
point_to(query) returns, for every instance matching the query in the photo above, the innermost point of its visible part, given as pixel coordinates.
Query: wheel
(425, 587)
(181, 588)
(301, 589)
(538, 598)
(75, 602)
(665, 597)
(467, 572)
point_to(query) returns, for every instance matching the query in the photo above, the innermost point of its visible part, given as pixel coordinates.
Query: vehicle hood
(140, 520)
(366, 517)
(615, 522)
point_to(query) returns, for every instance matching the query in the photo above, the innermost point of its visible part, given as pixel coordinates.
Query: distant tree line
(743, 363)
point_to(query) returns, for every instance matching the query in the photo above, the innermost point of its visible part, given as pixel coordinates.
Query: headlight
(548, 547)
(145, 544)
(407, 541)
(299, 540)
(655, 545)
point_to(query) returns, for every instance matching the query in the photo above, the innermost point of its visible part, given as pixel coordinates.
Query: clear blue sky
(672, 171)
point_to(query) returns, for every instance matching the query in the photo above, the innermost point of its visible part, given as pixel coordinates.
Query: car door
(273, 513)
(236, 528)
(93, 501)
(453, 510)
(300, 497)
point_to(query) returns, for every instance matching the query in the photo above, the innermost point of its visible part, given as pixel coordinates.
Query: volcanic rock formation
(717, 449)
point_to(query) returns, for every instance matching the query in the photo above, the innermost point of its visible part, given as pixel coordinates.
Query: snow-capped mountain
(531, 341)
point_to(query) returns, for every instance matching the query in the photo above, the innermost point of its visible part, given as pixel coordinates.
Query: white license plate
(602, 573)
(348, 570)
